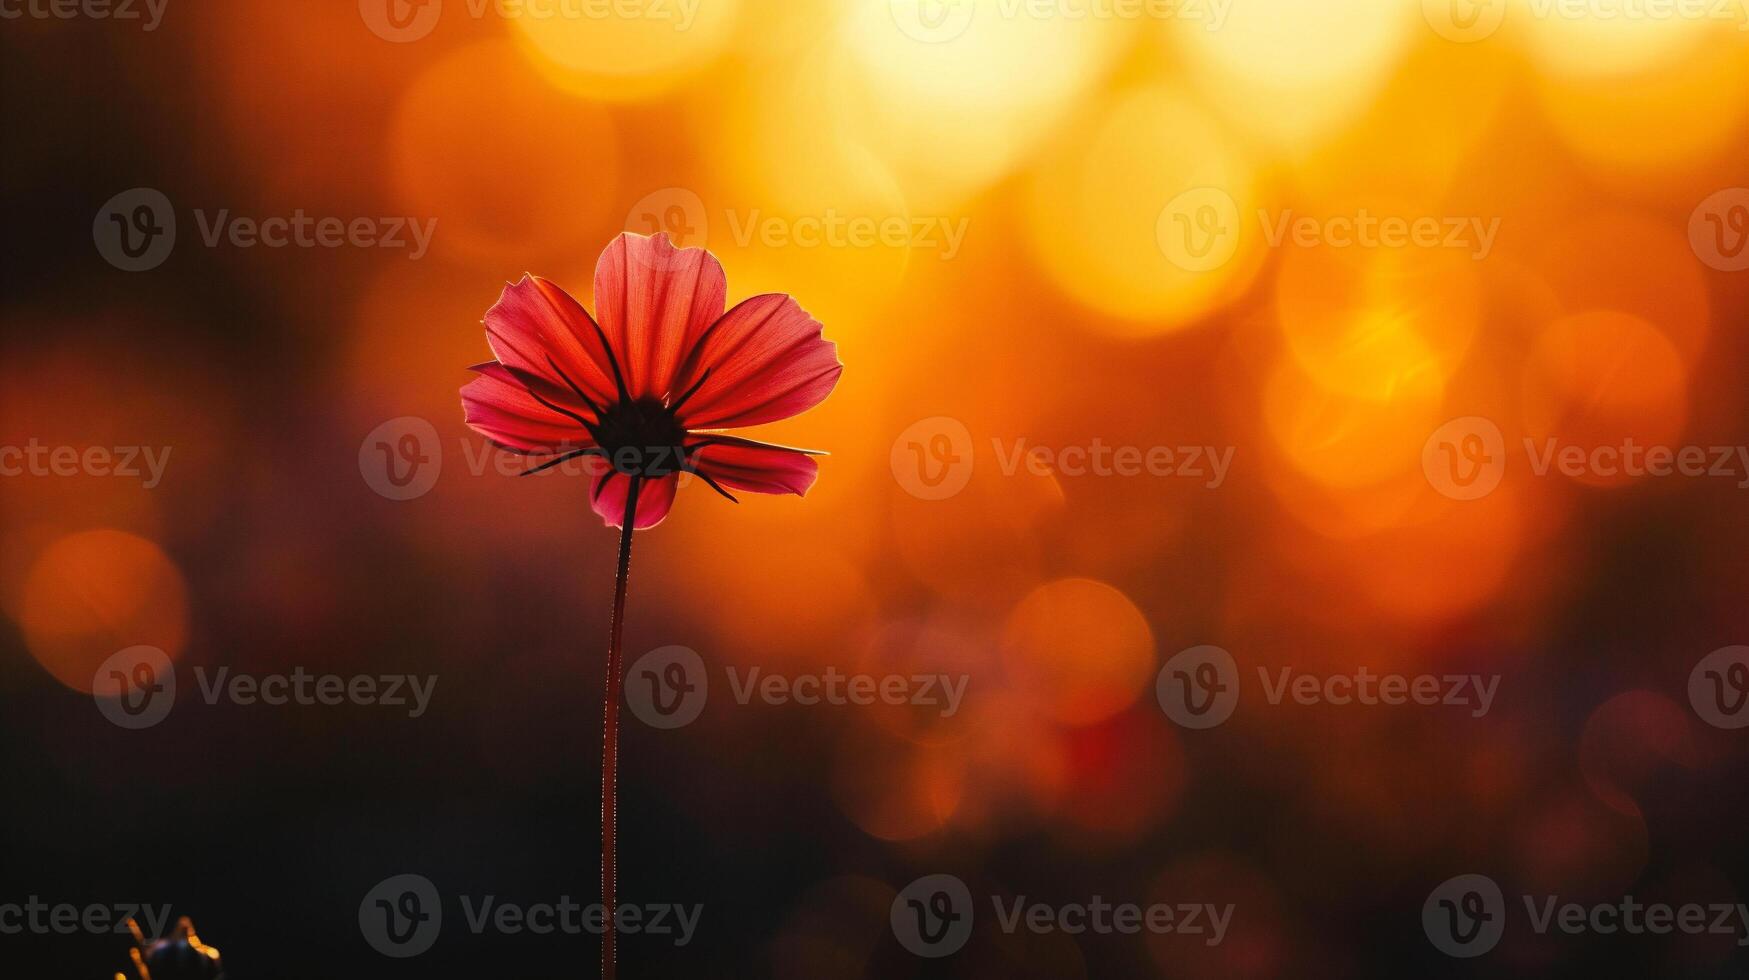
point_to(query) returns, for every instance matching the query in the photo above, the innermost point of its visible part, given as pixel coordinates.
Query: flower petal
(655, 497)
(498, 406)
(654, 301)
(537, 331)
(767, 361)
(743, 464)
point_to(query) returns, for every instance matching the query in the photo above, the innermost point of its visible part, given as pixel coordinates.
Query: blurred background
(1053, 224)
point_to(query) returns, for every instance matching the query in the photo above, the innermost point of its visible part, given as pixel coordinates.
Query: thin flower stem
(610, 735)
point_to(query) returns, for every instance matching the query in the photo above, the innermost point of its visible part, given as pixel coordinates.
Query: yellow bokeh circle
(1147, 213)
(621, 50)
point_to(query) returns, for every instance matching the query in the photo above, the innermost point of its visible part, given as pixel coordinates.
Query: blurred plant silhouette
(178, 956)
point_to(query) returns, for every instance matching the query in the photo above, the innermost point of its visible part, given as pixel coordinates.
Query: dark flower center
(642, 438)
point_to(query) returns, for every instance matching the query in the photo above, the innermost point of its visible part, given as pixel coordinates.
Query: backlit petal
(655, 497)
(499, 407)
(742, 464)
(767, 361)
(538, 331)
(655, 301)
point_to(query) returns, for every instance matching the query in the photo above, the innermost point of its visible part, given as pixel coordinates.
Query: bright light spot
(1147, 213)
(633, 50)
(1360, 436)
(1600, 38)
(954, 104)
(1292, 70)
(1360, 321)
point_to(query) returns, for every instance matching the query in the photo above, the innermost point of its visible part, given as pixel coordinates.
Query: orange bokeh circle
(1079, 649)
(1597, 380)
(95, 592)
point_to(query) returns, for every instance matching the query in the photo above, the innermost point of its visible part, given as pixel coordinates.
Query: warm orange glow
(93, 593)
(634, 50)
(900, 792)
(1410, 335)
(1364, 322)
(1147, 212)
(1080, 649)
(1293, 71)
(1350, 439)
(498, 182)
(1601, 380)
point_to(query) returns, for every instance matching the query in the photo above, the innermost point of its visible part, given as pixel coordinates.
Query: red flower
(642, 391)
